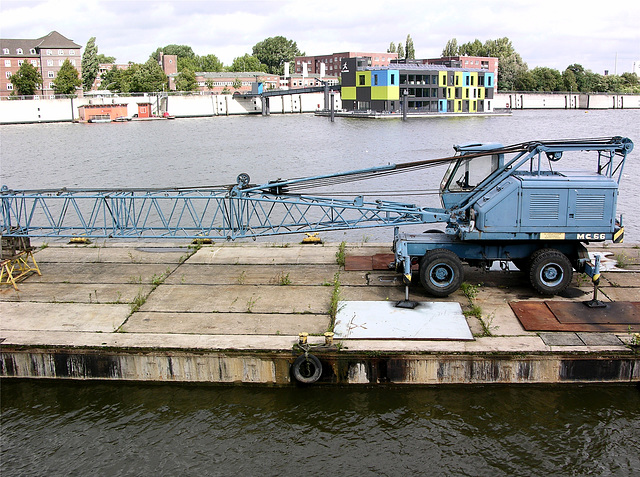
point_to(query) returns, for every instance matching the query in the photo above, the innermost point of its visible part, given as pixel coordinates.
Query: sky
(550, 33)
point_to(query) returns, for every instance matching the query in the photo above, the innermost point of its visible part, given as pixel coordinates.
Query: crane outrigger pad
(382, 320)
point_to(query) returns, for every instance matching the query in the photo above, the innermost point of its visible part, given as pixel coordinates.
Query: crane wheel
(441, 272)
(550, 271)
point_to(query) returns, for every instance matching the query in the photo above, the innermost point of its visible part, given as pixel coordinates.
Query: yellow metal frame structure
(17, 268)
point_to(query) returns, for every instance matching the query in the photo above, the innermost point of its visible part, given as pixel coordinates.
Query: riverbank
(201, 105)
(232, 313)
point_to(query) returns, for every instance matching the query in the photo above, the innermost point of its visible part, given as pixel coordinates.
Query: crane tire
(306, 369)
(550, 271)
(441, 272)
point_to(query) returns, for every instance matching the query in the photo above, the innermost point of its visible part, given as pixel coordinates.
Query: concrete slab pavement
(237, 298)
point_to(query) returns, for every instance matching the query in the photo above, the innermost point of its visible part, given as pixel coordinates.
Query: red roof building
(47, 53)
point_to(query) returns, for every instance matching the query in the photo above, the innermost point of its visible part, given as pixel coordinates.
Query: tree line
(270, 55)
(515, 75)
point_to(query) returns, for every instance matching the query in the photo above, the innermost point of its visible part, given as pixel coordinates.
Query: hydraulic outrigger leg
(406, 279)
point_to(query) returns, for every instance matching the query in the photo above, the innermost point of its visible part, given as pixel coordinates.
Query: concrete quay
(232, 312)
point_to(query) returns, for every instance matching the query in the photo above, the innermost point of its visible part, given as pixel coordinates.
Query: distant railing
(37, 97)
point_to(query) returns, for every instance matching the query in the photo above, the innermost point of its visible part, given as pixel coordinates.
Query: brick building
(301, 81)
(333, 61)
(223, 82)
(47, 54)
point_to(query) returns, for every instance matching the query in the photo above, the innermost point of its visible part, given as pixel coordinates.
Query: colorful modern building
(426, 88)
(47, 54)
(468, 62)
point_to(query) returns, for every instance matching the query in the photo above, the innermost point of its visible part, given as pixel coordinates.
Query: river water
(212, 151)
(96, 428)
(80, 429)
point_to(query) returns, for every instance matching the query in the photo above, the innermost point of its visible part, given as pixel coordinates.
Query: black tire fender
(306, 368)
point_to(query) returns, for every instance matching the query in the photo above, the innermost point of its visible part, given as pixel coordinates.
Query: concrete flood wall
(36, 111)
(273, 368)
(66, 110)
(566, 101)
(61, 110)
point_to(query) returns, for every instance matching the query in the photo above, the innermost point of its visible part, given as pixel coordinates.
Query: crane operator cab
(464, 175)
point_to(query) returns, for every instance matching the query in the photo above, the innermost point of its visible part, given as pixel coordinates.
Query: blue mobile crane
(499, 203)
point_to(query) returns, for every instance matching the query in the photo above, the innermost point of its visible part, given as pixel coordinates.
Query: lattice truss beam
(191, 214)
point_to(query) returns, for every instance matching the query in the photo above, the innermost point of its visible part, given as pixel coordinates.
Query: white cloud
(545, 33)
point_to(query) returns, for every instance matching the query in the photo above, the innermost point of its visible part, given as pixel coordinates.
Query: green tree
(247, 63)
(209, 63)
(392, 48)
(274, 52)
(400, 50)
(500, 48)
(181, 51)
(103, 59)
(186, 81)
(580, 76)
(209, 84)
(187, 59)
(569, 81)
(451, 48)
(547, 79)
(151, 78)
(612, 84)
(410, 51)
(630, 83)
(510, 64)
(68, 79)
(474, 48)
(114, 80)
(90, 64)
(524, 82)
(592, 83)
(508, 70)
(237, 84)
(27, 80)
(143, 78)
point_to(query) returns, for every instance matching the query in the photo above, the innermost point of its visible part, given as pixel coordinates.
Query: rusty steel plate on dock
(576, 316)
(619, 312)
(358, 263)
(534, 315)
(379, 261)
